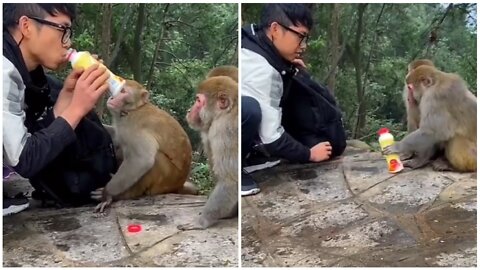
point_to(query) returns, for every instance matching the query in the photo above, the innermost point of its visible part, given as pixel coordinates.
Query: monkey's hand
(199, 224)
(105, 199)
(97, 194)
(103, 205)
(391, 149)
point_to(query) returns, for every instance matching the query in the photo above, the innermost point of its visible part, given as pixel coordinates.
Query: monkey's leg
(462, 154)
(441, 164)
(219, 205)
(416, 162)
(422, 157)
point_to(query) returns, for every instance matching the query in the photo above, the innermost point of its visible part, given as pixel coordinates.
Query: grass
(201, 177)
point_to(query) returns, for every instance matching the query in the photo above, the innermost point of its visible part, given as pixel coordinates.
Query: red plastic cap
(134, 228)
(383, 131)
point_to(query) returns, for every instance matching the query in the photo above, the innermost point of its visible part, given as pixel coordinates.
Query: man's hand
(66, 94)
(299, 62)
(320, 152)
(89, 87)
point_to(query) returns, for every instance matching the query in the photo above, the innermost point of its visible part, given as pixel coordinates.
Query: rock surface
(352, 212)
(67, 237)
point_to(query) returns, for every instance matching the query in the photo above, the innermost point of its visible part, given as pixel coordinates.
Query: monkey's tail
(189, 188)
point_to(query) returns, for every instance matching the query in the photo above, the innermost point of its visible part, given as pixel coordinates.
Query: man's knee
(251, 112)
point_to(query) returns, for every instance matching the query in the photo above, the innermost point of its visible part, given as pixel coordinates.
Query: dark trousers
(251, 118)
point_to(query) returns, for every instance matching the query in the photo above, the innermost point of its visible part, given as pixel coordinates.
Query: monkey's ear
(145, 95)
(427, 81)
(222, 101)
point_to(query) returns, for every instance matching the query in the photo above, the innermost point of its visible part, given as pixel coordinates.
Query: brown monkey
(411, 105)
(230, 71)
(156, 150)
(214, 115)
(448, 116)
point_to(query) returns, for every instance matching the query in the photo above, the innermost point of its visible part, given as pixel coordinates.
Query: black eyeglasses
(303, 37)
(67, 30)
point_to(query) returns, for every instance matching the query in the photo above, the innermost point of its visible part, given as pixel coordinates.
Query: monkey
(156, 150)
(214, 114)
(448, 116)
(230, 71)
(411, 105)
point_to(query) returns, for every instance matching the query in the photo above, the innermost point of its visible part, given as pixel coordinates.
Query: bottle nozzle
(70, 53)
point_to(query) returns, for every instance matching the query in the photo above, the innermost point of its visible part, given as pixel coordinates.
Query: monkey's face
(193, 114)
(128, 99)
(420, 80)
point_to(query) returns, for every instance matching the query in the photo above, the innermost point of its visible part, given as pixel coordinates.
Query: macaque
(214, 115)
(411, 105)
(448, 117)
(155, 149)
(230, 71)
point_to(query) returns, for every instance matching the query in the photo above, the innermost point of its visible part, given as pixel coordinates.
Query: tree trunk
(334, 45)
(137, 45)
(120, 35)
(106, 28)
(360, 115)
(158, 45)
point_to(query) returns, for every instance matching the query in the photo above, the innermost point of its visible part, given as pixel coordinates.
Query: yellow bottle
(393, 160)
(85, 60)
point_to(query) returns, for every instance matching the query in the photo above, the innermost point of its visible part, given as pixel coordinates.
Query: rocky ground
(50, 237)
(352, 212)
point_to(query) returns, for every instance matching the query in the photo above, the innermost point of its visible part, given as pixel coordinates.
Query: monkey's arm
(139, 157)
(419, 142)
(416, 141)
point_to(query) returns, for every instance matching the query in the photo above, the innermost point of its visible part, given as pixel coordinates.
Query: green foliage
(201, 178)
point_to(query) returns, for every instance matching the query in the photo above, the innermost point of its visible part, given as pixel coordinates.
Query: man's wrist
(72, 115)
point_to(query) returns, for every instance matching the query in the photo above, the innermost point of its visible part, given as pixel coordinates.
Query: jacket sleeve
(28, 153)
(262, 82)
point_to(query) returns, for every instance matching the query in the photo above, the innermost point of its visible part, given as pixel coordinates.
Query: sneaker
(14, 205)
(256, 161)
(249, 186)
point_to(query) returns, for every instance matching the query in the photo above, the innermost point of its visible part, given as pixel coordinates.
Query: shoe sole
(13, 209)
(262, 166)
(249, 192)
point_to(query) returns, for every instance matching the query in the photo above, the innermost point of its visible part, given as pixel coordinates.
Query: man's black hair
(287, 14)
(13, 11)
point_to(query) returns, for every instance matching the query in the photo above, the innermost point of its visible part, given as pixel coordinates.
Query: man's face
(47, 41)
(290, 41)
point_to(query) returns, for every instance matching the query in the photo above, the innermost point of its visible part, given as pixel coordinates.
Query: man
(278, 94)
(50, 134)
